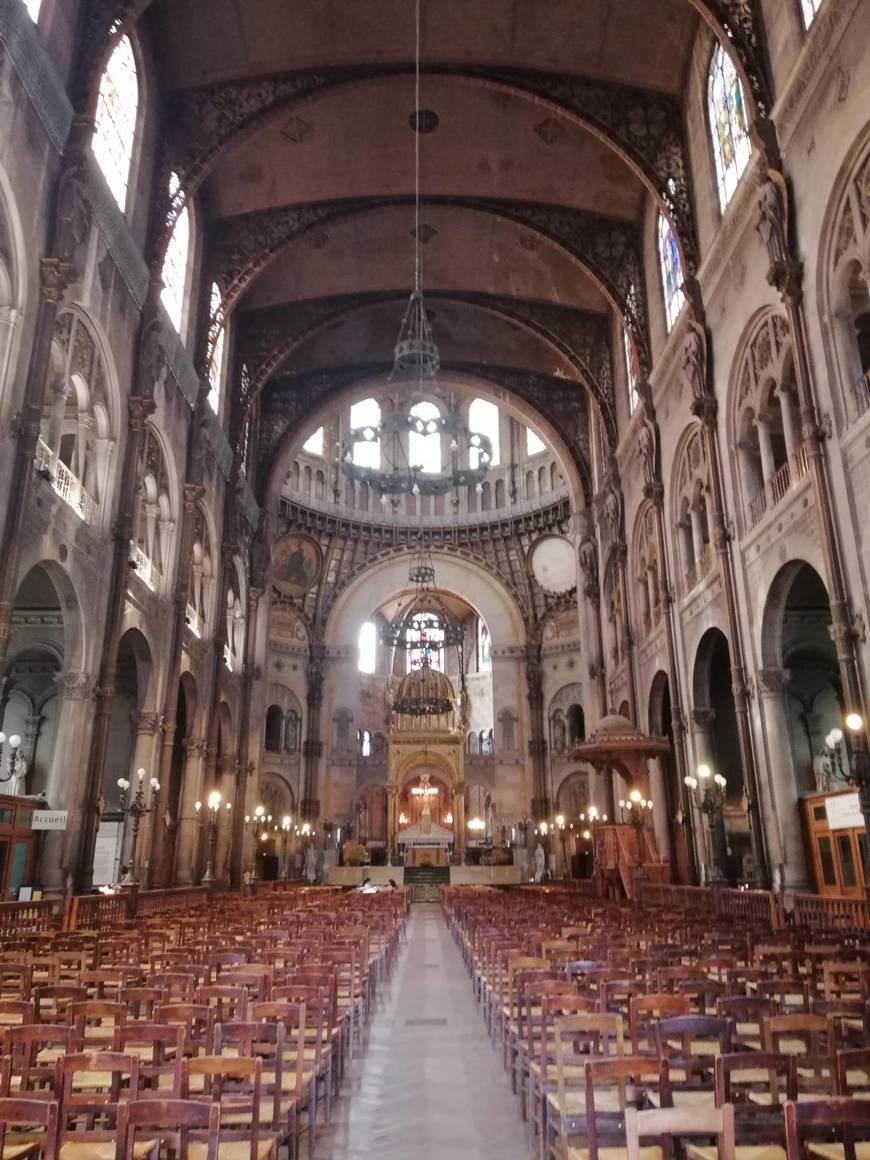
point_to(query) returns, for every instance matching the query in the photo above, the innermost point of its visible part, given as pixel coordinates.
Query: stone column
(246, 766)
(312, 748)
(67, 778)
(189, 822)
(652, 595)
(765, 447)
(697, 534)
(702, 722)
(588, 558)
(661, 804)
(789, 422)
(783, 813)
(537, 735)
(145, 756)
(459, 818)
(620, 553)
(393, 822)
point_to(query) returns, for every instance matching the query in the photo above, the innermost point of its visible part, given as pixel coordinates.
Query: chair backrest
(197, 1019)
(757, 1084)
(93, 1107)
(664, 1124)
(25, 1114)
(811, 1037)
(681, 1039)
(235, 1085)
(160, 1061)
(25, 1044)
(189, 1121)
(631, 1077)
(643, 1013)
(848, 1120)
(853, 1071)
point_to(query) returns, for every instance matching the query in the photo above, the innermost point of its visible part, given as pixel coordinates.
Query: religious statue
(611, 513)
(772, 218)
(646, 444)
(310, 864)
(588, 559)
(695, 361)
(292, 735)
(540, 862)
(559, 736)
(489, 818)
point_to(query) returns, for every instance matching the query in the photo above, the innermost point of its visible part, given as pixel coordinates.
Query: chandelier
(425, 790)
(426, 627)
(416, 357)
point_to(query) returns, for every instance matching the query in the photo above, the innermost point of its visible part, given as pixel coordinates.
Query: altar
(426, 856)
(426, 843)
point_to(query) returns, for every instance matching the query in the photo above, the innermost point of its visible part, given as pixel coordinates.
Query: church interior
(434, 588)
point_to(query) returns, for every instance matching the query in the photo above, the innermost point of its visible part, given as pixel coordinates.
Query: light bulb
(247, 819)
(635, 795)
(123, 783)
(155, 784)
(836, 736)
(854, 722)
(140, 773)
(14, 741)
(214, 800)
(2, 738)
(560, 819)
(197, 806)
(704, 770)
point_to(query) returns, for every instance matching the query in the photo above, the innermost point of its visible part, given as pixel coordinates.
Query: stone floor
(428, 1085)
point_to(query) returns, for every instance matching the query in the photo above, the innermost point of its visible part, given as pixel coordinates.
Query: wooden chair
(159, 1048)
(644, 1011)
(577, 1038)
(193, 1127)
(613, 1086)
(235, 1085)
(90, 1087)
(33, 1050)
(690, 1044)
(828, 1129)
(663, 1124)
(852, 1071)
(25, 1115)
(757, 1085)
(811, 1038)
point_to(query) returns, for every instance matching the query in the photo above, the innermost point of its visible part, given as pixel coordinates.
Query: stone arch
(646, 567)
(690, 491)
(14, 282)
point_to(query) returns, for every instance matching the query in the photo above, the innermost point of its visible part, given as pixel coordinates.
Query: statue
(489, 818)
(292, 736)
(588, 558)
(310, 864)
(646, 444)
(540, 862)
(772, 222)
(611, 513)
(559, 737)
(695, 361)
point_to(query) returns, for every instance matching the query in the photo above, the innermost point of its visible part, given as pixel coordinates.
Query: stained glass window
(314, 443)
(216, 342)
(424, 445)
(672, 272)
(33, 7)
(728, 126)
(117, 110)
(484, 647)
(175, 265)
(483, 420)
(426, 634)
(366, 415)
(810, 8)
(368, 648)
(632, 370)
(534, 444)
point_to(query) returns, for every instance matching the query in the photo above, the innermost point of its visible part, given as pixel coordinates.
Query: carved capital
(55, 275)
(703, 718)
(771, 682)
(147, 723)
(74, 686)
(193, 493)
(655, 493)
(138, 410)
(196, 747)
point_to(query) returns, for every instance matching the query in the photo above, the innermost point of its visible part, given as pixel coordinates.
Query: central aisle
(429, 1085)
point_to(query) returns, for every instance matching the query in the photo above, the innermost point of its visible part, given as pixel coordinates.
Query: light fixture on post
(832, 759)
(859, 767)
(708, 792)
(213, 805)
(137, 809)
(638, 809)
(16, 766)
(286, 823)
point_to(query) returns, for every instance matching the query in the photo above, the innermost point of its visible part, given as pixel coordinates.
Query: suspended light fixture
(427, 603)
(416, 357)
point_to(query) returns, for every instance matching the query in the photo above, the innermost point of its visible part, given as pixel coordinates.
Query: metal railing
(194, 622)
(146, 569)
(861, 395)
(778, 486)
(64, 482)
(696, 572)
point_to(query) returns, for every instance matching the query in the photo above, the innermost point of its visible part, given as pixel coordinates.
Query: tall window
(809, 8)
(424, 444)
(216, 341)
(727, 112)
(176, 264)
(314, 443)
(366, 415)
(632, 370)
(672, 272)
(483, 420)
(117, 109)
(534, 444)
(368, 648)
(484, 647)
(427, 636)
(33, 7)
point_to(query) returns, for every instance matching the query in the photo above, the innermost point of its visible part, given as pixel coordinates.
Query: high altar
(425, 741)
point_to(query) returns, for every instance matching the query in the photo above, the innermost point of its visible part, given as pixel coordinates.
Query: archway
(717, 741)
(572, 803)
(169, 824)
(802, 700)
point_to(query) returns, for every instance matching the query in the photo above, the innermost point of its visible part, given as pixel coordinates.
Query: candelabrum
(859, 765)
(137, 809)
(259, 824)
(16, 766)
(286, 824)
(211, 822)
(637, 809)
(708, 792)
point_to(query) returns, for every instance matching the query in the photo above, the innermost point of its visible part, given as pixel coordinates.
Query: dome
(614, 724)
(425, 683)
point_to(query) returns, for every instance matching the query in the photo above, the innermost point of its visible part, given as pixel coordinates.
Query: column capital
(193, 493)
(138, 410)
(74, 686)
(55, 275)
(703, 718)
(771, 682)
(147, 723)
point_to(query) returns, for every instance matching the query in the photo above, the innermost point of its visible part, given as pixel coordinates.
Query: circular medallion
(297, 563)
(553, 564)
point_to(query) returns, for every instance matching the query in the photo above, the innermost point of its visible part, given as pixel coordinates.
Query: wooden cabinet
(836, 843)
(16, 845)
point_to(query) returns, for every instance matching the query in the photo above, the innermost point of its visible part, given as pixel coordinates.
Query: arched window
(117, 111)
(274, 737)
(426, 636)
(216, 342)
(424, 444)
(731, 145)
(33, 7)
(576, 724)
(484, 647)
(483, 420)
(365, 742)
(809, 9)
(672, 272)
(366, 415)
(368, 648)
(632, 371)
(176, 263)
(534, 444)
(314, 443)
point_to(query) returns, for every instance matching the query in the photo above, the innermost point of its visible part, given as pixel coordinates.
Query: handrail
(778, 486)
(17, 918)
(146, 569)
(64, 482)
(829, 913)
(700, 569)
(861, 395)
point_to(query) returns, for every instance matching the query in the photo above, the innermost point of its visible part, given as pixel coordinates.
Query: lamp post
(16, 766)
(213, 805)
(259, 826)
(594, 819)
(859, 768)
(286, 823)
(137, 809)
(708, 792)
(561, 825)
(638, 808)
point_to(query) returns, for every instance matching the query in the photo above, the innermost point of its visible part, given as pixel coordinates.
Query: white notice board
(107, 852)
(844, 812)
